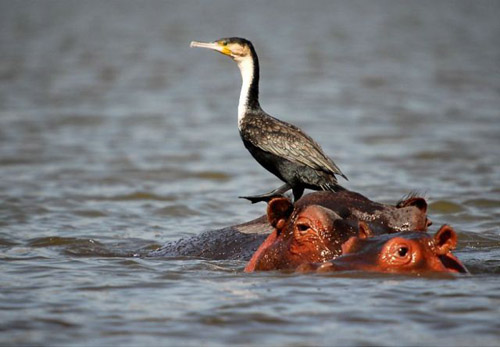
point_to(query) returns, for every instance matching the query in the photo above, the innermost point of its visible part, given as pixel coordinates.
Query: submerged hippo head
(408, 214)
(314, 229)
(404, 252)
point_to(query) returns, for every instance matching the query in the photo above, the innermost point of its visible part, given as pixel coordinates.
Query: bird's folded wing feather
(289, 142)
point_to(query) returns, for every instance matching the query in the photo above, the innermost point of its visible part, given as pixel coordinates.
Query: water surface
(116, 137)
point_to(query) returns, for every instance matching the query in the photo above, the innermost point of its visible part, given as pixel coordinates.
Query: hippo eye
(403, 251)
(397, 252)
(302, 227)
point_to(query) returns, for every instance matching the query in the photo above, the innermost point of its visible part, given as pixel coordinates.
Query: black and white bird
(280, 147)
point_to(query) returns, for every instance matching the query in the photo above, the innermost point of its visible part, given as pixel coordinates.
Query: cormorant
(280, 147)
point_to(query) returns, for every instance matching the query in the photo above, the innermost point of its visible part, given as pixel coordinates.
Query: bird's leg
(268, 196)
(297, 192)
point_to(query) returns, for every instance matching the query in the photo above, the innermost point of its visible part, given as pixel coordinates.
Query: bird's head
(235, 47)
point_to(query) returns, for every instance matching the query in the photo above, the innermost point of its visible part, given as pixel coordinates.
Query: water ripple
(116, 137)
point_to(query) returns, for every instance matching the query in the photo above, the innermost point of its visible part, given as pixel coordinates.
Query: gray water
(116, 137)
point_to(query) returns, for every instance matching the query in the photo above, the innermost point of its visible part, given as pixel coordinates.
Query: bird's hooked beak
(215, 46)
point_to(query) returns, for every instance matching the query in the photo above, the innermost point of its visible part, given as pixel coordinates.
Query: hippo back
(236, 242)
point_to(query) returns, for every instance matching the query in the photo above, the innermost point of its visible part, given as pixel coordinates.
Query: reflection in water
(115, 138)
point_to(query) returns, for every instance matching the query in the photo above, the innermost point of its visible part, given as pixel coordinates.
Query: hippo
(237, 242)
(314, 229)
(240, 242)
(403, 252)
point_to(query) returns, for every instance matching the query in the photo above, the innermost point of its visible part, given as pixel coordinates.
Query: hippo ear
(445, 239)
(418, 202)
(278, 211)
(364, 230)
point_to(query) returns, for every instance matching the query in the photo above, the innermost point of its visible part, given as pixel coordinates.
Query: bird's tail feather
(333, 187)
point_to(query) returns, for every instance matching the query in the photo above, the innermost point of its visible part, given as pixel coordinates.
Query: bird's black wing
(287, 141)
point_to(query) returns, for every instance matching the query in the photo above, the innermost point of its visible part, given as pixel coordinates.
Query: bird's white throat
(246, 66)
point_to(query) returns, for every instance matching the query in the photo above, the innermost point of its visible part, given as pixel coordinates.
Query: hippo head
(404, 252)
(408, 214)
(309, 234)
(314, 229)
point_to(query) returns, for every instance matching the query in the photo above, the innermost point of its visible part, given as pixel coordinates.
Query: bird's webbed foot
(268, 196)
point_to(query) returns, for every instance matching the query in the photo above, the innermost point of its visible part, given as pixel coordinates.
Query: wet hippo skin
(316, 227)
(240, 242)
(404, 252)
(237, 242)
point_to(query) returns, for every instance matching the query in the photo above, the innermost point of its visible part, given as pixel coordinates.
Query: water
(116, 137)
